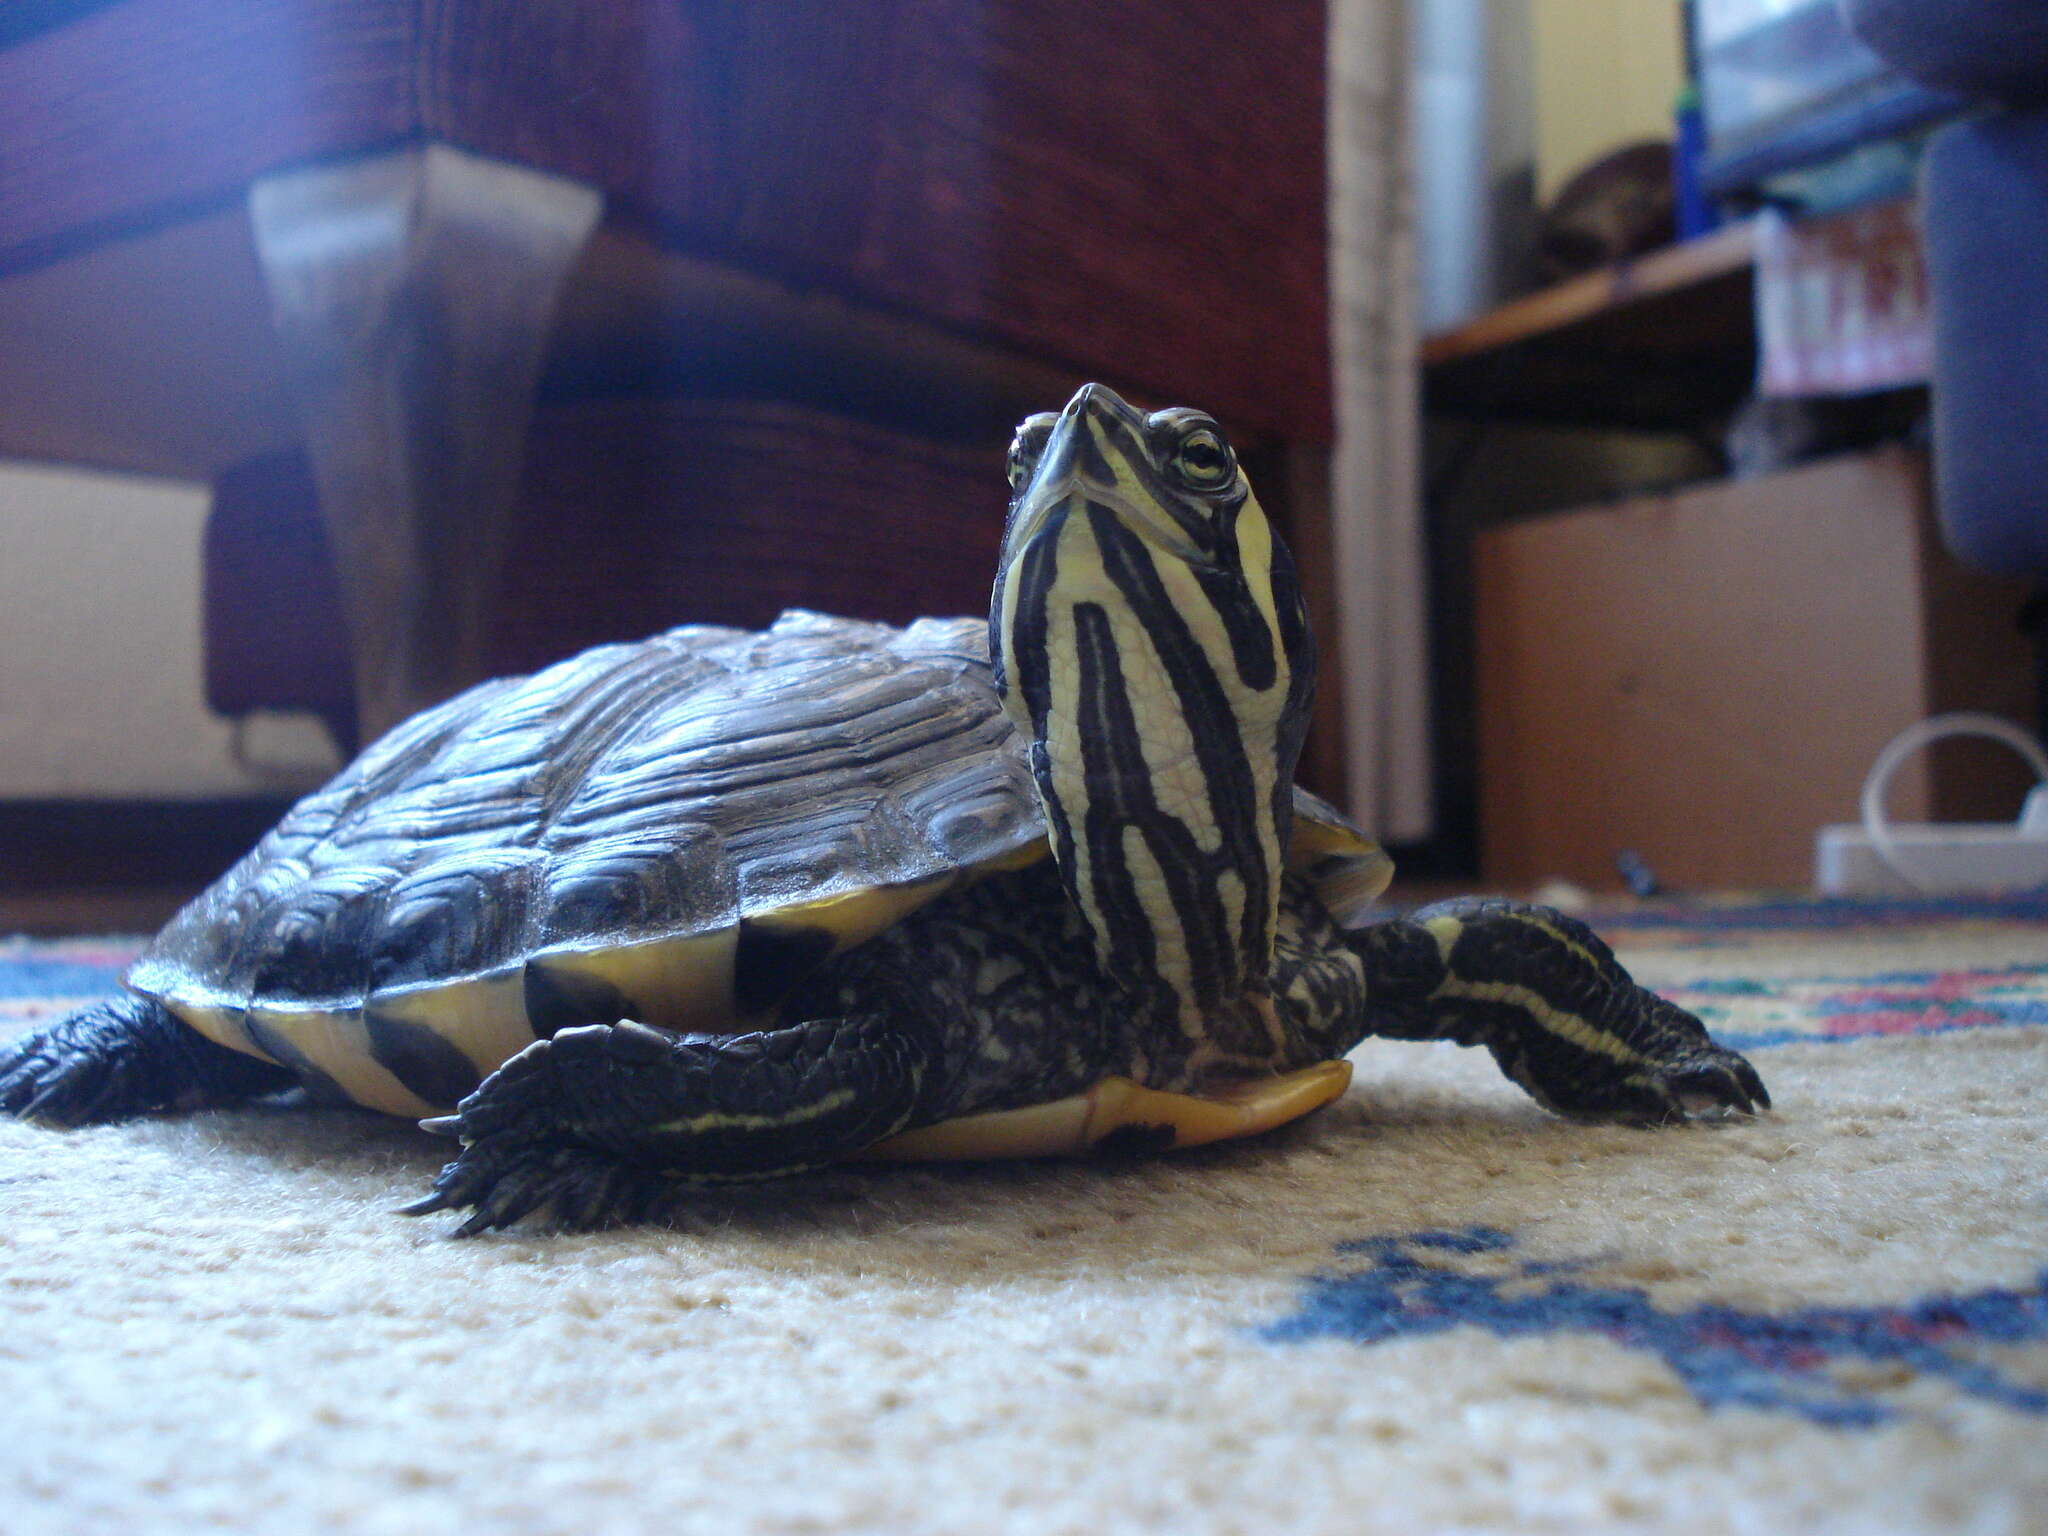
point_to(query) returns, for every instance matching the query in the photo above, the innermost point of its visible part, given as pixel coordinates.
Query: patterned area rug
(1431, 1306)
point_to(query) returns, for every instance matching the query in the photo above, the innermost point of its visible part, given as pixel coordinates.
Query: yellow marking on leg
(692, 1125)
(1446, 931)
(1537, 922)
(1079, 1123)
(1566, 1026)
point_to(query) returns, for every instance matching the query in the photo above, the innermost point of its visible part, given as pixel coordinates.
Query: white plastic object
(1944, 859)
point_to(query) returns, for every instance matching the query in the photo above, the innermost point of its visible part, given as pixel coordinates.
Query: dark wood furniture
(1665, 340)
(635, 513)
(373, 230)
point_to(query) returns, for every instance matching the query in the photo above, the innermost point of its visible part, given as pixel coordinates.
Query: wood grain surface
(639, 514)
(133, 116)
(1138, 195)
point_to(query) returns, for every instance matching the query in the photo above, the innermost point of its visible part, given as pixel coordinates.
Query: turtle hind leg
(121, 1058)
(599, 1124)
(1565, 1020)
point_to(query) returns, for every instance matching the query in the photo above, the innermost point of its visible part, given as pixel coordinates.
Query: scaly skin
(992, 998)
(1006, 988)
(125, 1057)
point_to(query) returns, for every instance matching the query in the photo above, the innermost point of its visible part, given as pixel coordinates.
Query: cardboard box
(1703, 678)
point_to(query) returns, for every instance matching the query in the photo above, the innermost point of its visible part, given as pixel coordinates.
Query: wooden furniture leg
(413, 294)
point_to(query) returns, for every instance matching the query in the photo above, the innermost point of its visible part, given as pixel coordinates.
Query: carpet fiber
(1431, 1306)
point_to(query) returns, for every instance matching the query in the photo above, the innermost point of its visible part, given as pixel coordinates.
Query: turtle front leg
(601, 1122)
(1563, 1017)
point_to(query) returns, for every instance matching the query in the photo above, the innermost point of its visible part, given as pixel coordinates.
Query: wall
(1473, 145)
(100, 665)
(1607, 73)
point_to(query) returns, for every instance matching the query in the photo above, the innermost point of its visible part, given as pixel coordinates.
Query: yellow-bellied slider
(722, 905)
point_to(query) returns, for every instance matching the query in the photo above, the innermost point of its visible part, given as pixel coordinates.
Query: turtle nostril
(1099, 401)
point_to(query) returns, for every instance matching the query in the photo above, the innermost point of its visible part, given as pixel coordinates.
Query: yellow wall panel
(1607, 72)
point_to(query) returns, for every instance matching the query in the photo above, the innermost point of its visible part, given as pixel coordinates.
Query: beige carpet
(1431, 1307)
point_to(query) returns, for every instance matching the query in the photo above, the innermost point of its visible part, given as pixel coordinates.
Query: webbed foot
(1677, 1074)
(1563, 1017)
(499, 1182)
(600, 1123)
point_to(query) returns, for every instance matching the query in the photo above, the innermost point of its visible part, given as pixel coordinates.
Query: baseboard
(127, 844)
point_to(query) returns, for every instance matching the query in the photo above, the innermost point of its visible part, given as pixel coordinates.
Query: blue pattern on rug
(1783, 1362)
(39, 977)
(56, 978)
(1830, 1010)
(1823, 913)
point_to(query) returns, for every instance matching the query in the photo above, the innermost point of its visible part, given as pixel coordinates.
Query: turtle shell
(676, 831)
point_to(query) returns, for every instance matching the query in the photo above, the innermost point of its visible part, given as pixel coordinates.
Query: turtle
(724, 906)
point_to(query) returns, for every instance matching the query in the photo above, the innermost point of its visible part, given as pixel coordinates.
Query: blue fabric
(1991, 48)
(1986, 209)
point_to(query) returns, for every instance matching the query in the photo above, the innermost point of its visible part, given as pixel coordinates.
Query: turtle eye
(1028, 446)
(1203, 460)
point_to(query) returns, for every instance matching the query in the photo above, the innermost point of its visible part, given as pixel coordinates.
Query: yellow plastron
(1147, 1116)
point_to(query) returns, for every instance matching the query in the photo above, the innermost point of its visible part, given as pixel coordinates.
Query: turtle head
(1170, 476)
(1150, 642)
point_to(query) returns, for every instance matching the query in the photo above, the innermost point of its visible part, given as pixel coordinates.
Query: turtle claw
(1699, 1080)
(54, 1077)
(527, 1147)
(500, 1184)
(516, 1193)
(435, 1199)
(1717, 1081)
(1754, 1084)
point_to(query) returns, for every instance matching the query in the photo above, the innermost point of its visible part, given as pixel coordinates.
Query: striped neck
(1152, 646)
